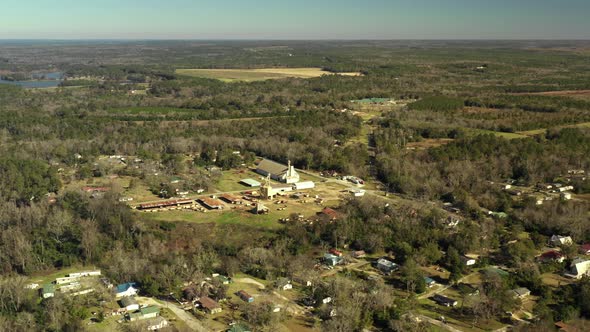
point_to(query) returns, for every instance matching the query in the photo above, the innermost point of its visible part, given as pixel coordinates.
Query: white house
(127, 289)
(157, 324)
(580, 267)
(559, 240)
(468, 261)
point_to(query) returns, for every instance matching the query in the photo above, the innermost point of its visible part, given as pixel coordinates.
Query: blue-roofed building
(126, 289)
(332, 260)
(429, 281)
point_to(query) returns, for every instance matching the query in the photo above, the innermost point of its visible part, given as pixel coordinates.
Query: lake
(54, 81)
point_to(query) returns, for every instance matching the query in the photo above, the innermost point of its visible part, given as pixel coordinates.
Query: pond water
(52, 80)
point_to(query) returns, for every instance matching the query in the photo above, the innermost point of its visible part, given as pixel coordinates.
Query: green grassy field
(250, 75)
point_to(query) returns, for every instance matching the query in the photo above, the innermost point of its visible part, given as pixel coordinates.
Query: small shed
(245, 296)
(48, 291)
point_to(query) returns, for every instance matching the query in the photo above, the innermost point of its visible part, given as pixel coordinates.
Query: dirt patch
(428, 143)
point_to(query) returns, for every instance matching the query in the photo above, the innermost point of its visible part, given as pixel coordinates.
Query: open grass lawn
(463, 323)
(555, 280)
(497, 133)
(267, 222)
(250, 75)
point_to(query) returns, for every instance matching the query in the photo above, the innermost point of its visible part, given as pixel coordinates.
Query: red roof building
(585, 249)
(552, 256)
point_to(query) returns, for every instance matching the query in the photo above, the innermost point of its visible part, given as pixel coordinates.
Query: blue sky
(295, 19)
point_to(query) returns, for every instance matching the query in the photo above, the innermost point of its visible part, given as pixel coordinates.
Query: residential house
(149, 312)
(126, 289)
(444, 301)
(559, 240)
(580, 267)
(429, 282)
(327, 300)
(520, 293)
(278, 172)
(585, 249)
(565, 196)
(563, 327)
(386, 266)
(157, 323)
(245, 296)
(284, 284)
(47, 291)
(468, 261)
(551, 256)
(331, 260)
(335, 252)
(210, 305)
(129, 303)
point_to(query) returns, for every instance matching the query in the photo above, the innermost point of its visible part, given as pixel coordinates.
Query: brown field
(429, 143)
(577, 94)
(251, 75)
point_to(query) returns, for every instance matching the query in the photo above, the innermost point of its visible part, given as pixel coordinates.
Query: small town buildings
(245, 296)
(585, 249)
(520, 293)
(386, 266)
(260, 209)
(429, 282)
(359, 254)
(126, 289)
(551, 256)
(210, 305)
(250, 183)
(579, 268)
(303, 185)
(164, 204)
(95, 273)
(231, 199)
(278, 172)
(47, 291)
(444, 301)
(157, 323)
(129, 303)
(559, 240)
(331, 260)
(565, 196)
(269, 191)
(211, 203)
